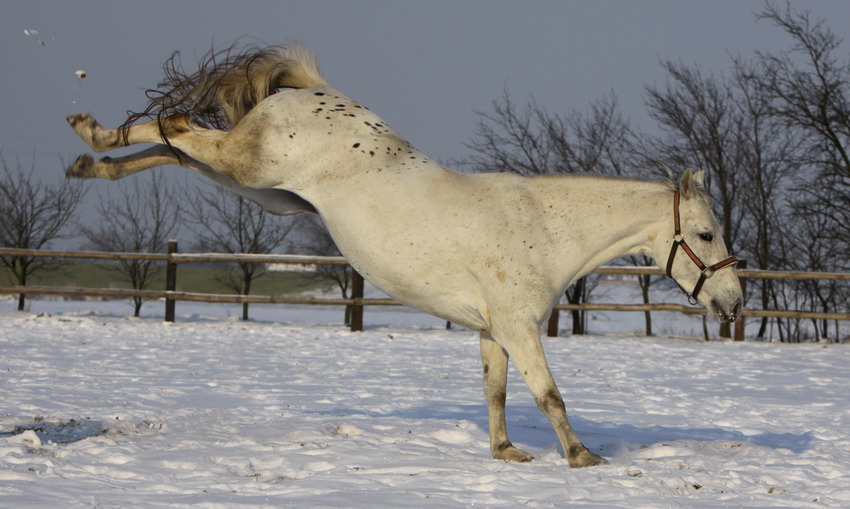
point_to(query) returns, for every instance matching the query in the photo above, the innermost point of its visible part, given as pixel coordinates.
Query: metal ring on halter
(705, 271)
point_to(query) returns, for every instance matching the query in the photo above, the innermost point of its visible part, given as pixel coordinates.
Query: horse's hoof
(586, 459)
(81, 167)
(91, 132)
(76, 119)
(511, 453)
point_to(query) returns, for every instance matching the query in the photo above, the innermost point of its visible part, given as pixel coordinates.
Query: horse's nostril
(736, 311)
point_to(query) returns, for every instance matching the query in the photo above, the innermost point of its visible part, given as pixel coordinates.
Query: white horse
(491, 252)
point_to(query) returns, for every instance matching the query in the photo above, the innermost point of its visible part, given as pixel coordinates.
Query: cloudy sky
(424, 66)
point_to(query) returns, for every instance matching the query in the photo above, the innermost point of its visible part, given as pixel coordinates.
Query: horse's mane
(227, 84)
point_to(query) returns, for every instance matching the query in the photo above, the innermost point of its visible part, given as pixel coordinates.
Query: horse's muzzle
(726, 316)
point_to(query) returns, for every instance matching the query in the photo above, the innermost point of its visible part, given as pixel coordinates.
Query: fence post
(739, 325)
(170, 281)
(357, 307)
(552, 331)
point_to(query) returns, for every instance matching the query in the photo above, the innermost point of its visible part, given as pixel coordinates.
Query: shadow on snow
(527, 426)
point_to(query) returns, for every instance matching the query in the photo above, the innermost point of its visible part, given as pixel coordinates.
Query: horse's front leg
(525, 348)
(495, 360)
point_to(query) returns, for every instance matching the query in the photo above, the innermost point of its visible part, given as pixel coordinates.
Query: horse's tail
(228, 85)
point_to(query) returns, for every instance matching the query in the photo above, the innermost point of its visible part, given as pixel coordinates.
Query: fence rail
(357, 301)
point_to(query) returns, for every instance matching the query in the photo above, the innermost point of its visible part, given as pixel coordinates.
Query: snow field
(99, 411)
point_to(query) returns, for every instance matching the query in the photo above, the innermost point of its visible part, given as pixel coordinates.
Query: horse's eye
(706, 237)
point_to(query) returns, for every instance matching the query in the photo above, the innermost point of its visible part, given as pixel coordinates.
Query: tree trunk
(22, 280)
(346, 317)
(247, 286)
(766, 289)
(647, 315)
(577, 297)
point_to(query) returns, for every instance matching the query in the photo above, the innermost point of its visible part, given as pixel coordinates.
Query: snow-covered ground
(97, 410)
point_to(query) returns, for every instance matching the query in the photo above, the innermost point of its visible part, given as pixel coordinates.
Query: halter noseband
(705, 272)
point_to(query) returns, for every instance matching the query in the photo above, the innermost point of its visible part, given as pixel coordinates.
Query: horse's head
(697, 258)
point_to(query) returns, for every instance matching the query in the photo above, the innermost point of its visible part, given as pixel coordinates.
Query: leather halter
(705, 271)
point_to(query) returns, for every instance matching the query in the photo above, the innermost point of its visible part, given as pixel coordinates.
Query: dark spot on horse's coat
(486, 368)
(499, 398)
(319, 93)
(371, 152)
(356, 145)
(551, 401)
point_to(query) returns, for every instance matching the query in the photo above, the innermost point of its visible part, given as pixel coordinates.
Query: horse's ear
(691, 183)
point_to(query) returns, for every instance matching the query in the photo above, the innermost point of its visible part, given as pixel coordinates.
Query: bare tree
(698, 117)
(531, 141)
(228, 223)
(33, 214)
(314, 239)
(809, 91)
(770, 151)
(141, 218)
(701, 121)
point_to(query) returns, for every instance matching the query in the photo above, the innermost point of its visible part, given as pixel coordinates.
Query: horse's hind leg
(218, 152)
(119, 167)
(495, 360)
(526, 350)
(275, 201)
(101, 139)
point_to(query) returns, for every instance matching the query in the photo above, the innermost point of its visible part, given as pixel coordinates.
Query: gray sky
(424, 66)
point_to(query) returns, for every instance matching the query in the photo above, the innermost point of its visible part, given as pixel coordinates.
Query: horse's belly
(441, 286)
(414, 255)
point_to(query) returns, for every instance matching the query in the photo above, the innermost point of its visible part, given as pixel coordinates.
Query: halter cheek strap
(679, 241)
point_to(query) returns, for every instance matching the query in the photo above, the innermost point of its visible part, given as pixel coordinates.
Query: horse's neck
(600, 219)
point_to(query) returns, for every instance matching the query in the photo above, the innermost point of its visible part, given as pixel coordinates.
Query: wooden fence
(357, 301)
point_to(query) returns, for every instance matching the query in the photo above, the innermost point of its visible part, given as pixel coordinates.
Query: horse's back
(299, 138)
